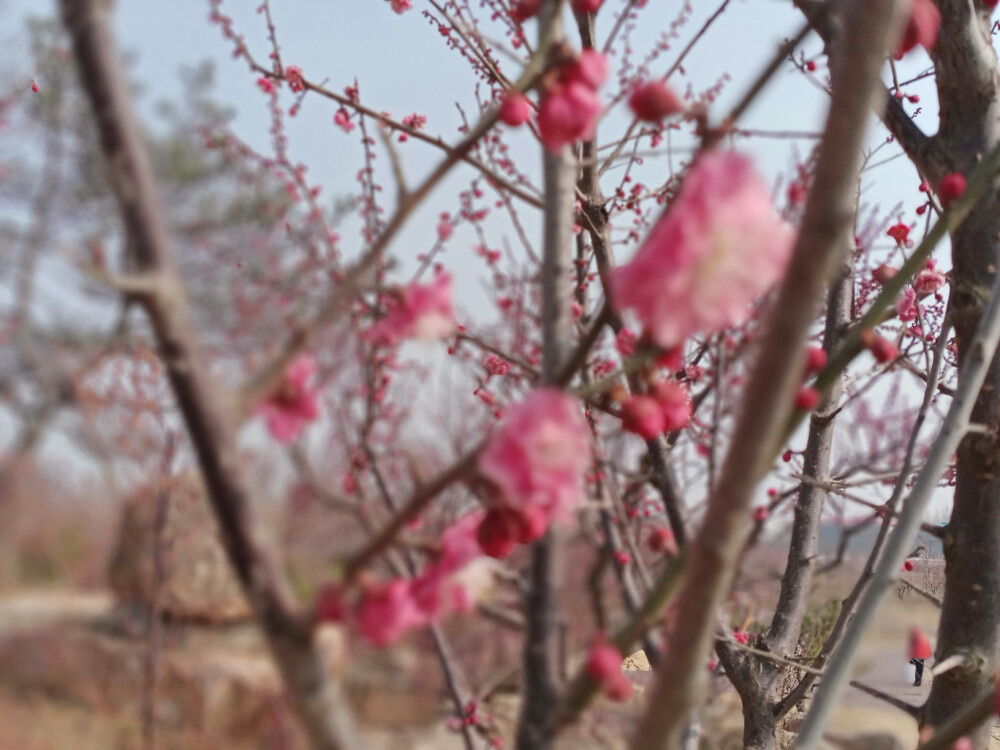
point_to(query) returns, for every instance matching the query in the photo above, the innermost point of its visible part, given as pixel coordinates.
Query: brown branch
(535, 730)
(924, 151)
(318, 699)
(767, 400)
(909, 708)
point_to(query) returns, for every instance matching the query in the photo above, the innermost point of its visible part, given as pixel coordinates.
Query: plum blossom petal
(716, 249)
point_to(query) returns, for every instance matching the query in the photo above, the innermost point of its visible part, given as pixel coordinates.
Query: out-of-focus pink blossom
(293, 74)
(675, 404)
(386, 611)
(294, 403)
(653, 101)
(537, 459)
(921, 27)
(604, 666)
(400, 6)
(951, 188)
(929, 280)
(570, 106)
(643, 416)
(418, 311)
(716, 249)
(906, 305)
(515, 109)
(342, 119)
(453, 581)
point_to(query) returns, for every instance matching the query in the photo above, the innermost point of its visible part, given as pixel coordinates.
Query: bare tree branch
(318, 699)
(714, 552)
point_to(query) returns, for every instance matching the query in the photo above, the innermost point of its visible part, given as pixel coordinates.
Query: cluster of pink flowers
(453, 582)
(570, 106)
(418, 311)
(294, 403)
(535, 465)
(665, 408)
(715, 250)
(604, 666)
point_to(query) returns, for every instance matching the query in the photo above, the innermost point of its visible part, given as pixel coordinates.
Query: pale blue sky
(403, 66)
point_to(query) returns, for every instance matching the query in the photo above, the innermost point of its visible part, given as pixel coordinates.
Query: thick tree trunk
(970, 614)
(967, 73)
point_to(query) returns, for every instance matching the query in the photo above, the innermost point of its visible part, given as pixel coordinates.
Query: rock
(637, 662)
(197, 583)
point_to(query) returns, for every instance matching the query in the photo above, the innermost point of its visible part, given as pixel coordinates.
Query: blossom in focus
(418, 311)
(537, 459)
(921, 27)
(294, 403)
(715, 250)
(899, 232)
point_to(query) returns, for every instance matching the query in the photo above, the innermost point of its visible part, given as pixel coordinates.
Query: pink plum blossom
(515, 109)
(418, 311)
(643, 416)
(570, 107)
(715, 250)
(387, 611)
(921, 27)
(537, 459)
(294, 403)
(453, 581)
(400, 6)
(653, 101)
(929, 280)
(604, 666)
(906, 305)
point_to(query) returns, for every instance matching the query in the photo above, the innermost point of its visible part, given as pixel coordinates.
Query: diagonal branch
(909, 708)
(713, 554)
